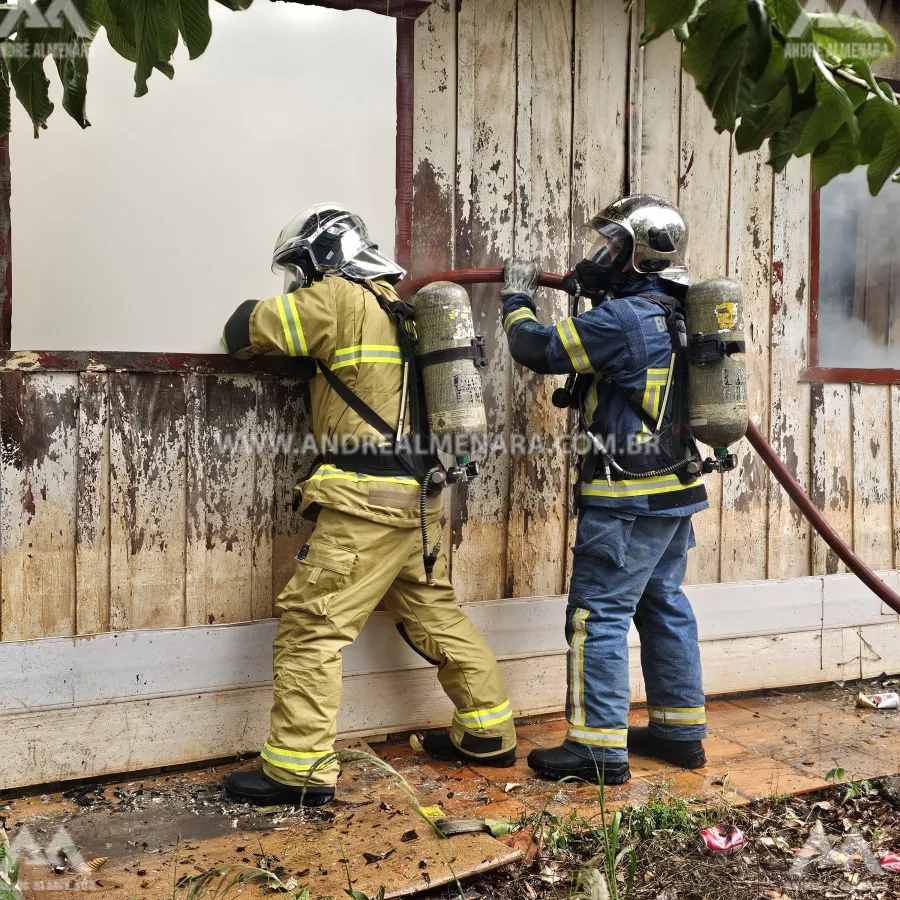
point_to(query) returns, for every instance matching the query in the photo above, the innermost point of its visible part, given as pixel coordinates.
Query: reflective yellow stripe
(686, 715)
(517, 315)
(328, 473)
(484, 718)
(572, 342)
(599, 737)
(590, 403)
(368, 353)
(293, 330)
(294, 761)
(576, 663)
(636, 487)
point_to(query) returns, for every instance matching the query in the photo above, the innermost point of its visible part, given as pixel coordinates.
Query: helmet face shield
(294, 277)
(611, 247)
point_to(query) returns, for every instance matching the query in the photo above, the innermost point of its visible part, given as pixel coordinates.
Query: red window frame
(815, 372)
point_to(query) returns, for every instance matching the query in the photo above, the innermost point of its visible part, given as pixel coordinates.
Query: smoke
(145, 231)
(859, 274)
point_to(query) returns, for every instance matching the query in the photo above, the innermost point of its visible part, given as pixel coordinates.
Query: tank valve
(723, 462)
(464, 470)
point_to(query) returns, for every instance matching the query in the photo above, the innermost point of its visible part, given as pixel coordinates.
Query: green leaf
(499, 827)
(73, 73)
(5, 116)
(843, 36)
(26, 74)
(783, 143)
(193, 22)
(886, 161)
(763, 121)
(236, 5)
(862, 68)
(99, 14)
(148, 27)
(833, 109)
(774, 76)
(728, 50)
(836, 156)
(662, 16)
(795, 27)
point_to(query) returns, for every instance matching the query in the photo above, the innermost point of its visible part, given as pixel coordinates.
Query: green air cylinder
(718, 388)
(453, 391)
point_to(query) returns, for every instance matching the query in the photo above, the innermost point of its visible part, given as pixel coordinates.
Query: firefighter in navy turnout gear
(341, 312)
(638, 487)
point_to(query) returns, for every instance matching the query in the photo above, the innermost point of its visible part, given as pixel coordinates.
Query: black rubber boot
(560, 762)
(257, 788)
(437, 745)
(684, 754)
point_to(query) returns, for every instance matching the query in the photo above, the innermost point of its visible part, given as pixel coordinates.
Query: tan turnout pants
(350, 565)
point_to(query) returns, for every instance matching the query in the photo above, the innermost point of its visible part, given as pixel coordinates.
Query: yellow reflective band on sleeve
(329, 473)
(296, 762)
(484, 718)
(598, 737)
(686, 715)
(368, 353)
(517, 315)
(572, 342)
(293, 330)
(576, 665)
(635, 487)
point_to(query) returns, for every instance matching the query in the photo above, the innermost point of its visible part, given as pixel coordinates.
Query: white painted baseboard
(110, 703)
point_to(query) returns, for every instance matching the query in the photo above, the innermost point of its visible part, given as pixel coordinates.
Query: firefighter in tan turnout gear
(340, 308)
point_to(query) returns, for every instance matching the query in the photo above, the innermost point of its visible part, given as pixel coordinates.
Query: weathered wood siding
(122, 504)
(118, 510)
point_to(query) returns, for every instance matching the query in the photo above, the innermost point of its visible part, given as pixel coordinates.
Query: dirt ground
(804, 775)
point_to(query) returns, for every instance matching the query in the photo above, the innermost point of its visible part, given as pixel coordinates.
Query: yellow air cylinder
(717, 387)
(453, 391)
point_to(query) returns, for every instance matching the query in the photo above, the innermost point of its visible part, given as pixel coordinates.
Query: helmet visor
(611, 245)
(294, 277)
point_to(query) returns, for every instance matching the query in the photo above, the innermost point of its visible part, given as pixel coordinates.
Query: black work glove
(520, 276)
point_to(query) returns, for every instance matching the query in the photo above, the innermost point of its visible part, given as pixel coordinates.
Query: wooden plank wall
(121, 507)
(636, 123)
(117, 511)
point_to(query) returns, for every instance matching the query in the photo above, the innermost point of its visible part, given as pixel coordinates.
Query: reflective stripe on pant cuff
(484, 718)
(296, 762)
(673, 715)
(598, 737)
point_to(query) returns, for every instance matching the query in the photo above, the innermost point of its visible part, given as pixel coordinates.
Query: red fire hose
(757, 441)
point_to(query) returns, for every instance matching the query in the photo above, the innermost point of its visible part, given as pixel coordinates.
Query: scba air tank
(717, 375)
(450, 355)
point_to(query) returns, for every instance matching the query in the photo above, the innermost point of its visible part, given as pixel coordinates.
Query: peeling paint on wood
(831, 479)
(539, 495)
(92, 502)
(37, 505)
(703, 196)
(486, 117)
(745, 491)
(148, 462)
(789, 532)
(871, 439)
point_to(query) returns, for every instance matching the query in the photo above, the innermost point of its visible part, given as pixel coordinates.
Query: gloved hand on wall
(520, 276)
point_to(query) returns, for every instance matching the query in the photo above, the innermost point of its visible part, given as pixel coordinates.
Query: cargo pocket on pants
(601, 534)
(319, 576)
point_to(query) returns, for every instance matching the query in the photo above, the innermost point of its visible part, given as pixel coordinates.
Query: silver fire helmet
(326, 238)
(658, 233)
